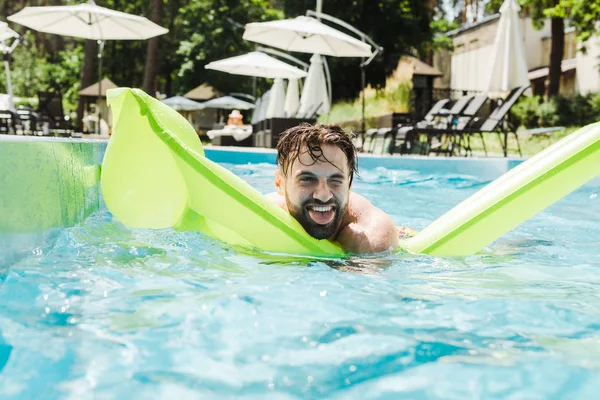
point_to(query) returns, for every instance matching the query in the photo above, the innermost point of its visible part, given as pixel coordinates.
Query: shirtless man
(316, 165)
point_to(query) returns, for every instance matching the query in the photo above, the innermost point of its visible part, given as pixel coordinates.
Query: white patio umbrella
(7, 34)
(292, 99)
(257, 64)
(315, 94)
(508, 62)
(227, 103)
(277, 100)
(306, 35)
(88, 21)
(262, 104)
(180, 103)
(255, 114)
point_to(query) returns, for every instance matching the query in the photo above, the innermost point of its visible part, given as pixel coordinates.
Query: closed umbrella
(256, 64)
(88, 21)
(277, 100)
(315, 98)
(509, 63)
(7, 34)
(255, 113)
(261, 109)
(292, 99)
(306, 35)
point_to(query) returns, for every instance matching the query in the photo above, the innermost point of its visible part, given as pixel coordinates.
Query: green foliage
(32, 73)
(212, 30)
(525, 111)
(575, 110)
(578, 109)
(439, 28)
(585, 16)
(547, 113)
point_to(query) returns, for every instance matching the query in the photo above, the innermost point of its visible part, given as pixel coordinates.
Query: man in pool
(316, 165)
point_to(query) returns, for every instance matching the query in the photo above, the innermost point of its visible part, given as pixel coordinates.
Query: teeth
(322, 209)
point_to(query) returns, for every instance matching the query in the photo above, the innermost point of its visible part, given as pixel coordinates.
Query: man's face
(316, 193)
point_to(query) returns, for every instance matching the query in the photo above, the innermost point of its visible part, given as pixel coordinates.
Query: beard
(318, 231)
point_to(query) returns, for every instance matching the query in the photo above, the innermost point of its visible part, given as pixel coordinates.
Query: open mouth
(322, 215)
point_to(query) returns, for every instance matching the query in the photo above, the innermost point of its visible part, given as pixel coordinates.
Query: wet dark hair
(313, 137)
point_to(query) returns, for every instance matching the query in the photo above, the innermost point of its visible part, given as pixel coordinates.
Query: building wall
(532, 38)
(441, 60)
(471, 69)
(588, 69)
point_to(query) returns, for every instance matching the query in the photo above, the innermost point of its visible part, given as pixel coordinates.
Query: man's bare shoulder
(367, 229)
(360, 208)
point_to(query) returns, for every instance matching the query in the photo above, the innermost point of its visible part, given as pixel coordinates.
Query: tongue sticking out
(322, 218)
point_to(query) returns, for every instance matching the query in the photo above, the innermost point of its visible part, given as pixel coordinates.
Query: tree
(86, 76)
(151, 68)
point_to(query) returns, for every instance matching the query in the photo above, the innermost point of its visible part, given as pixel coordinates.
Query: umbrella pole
(362, 83)
(99, 103)
(11, 104)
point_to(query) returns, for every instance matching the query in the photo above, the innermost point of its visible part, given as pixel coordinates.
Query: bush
(525, 112)
(547, 115)
(577, 110)
(595, 102)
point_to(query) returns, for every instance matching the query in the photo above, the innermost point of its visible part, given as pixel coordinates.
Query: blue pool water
(105, 312)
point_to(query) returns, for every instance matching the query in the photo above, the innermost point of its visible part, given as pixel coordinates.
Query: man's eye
(336, 182)
(306, 179)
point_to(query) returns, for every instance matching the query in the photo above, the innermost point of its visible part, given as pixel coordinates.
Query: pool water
(105, 312)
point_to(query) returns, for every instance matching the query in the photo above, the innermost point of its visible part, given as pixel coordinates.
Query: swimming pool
(98, 310)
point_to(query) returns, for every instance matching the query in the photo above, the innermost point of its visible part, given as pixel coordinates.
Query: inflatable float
(155, 175)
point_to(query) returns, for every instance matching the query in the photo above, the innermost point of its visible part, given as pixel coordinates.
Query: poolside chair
(382, 140)
(51, 111)
(496, 122)
(406, 137)
(448, 139)
(28, 120)
(369, 141)
(8, 122)
(441, 138)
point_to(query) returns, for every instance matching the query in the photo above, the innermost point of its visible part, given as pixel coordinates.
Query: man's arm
(370, 230)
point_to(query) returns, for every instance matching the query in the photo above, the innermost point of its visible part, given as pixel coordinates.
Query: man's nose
(322, 191)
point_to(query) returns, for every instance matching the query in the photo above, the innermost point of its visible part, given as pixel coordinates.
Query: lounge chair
(372, 137)
(496, 122)
(8, 122)
(51, 111)
(28, 120)
(441, 137)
